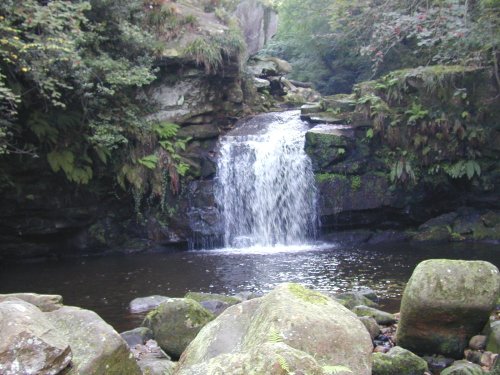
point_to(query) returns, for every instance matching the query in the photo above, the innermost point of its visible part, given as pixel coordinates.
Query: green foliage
(275, 336)
(339, 43)
(355, 182)
(80, 173)
(283, 364)
(210, 51)
(337, 369)
(416, 113)
(461, 168)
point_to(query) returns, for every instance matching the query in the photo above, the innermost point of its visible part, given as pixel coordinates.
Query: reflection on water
(106, 285)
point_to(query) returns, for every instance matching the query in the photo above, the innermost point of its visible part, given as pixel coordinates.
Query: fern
(166, 130)
(332, 370)
(149, 161)
(283, 363)
(275, 336)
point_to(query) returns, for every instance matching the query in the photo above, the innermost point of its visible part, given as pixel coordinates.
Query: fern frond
(283, 363)
(275, 336)
(332, 370)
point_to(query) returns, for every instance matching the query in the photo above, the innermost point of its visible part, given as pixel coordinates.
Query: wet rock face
(445, 303)
(291, 325)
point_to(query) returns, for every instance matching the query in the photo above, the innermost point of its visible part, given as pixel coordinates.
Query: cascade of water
(265, 185)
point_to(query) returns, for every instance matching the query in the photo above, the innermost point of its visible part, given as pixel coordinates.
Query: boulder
(142, 304)
(45, 302)
(328, 144)
(97, 348)
(176, 322)
(289, 329)
(267, 66)
(201, 297)
(137, 336)
(215, 303)
(353, 299)
(261, 83)
(310, 108)
(371, 325)
(381, 317)
(270, 358)
(152, 360)
(463, 368)
(445, 303)
(493, 343)
(478, 342)
(398, 361)
(30, 344)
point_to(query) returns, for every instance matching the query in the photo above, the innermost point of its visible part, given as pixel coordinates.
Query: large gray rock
(45, 302)
(445, 303)
(258, 22)
(176, 322)
(398, 361)
(148, 303)
(29, 342)
(97, 348)
(291, 327)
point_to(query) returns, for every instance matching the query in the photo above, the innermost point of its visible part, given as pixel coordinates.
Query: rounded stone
(445, 303)
(176, 322)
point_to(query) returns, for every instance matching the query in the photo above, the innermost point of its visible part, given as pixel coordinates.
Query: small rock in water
(143, 304)
(438, 363)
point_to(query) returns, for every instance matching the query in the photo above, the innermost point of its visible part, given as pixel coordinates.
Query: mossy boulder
(289, 329)
(445, 303)
(97, 348)
(176, 322)
(202, 297)
(327, 145)
(353, 299)
(493, 341)
(215, 303)
(381, 317)
(371, 325)
(398, 361)
(463, 368)
(348, 194)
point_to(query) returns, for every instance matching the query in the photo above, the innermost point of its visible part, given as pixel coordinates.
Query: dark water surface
(107, 284)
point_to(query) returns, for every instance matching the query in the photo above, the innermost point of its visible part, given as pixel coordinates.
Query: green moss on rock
(202, 297)
(398, 361)
(176, 322)
(308, 295)
(445, 303)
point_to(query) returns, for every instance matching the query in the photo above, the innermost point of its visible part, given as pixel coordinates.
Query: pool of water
(107, 284)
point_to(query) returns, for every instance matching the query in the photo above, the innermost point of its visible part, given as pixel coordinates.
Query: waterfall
(265, 185)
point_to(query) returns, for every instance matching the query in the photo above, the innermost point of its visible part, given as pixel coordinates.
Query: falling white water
(265, 184)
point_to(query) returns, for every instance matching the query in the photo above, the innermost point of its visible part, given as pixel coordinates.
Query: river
(107, 284)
